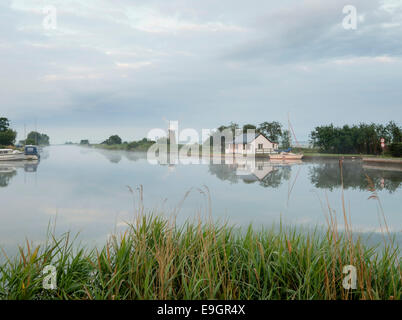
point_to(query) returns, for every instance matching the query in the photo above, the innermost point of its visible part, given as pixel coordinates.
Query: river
(86, 190)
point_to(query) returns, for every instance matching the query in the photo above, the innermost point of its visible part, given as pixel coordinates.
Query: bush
(396, 149)
(7, 137)
(113, 140)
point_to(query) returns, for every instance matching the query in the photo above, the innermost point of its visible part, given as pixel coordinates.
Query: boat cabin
(31, 151)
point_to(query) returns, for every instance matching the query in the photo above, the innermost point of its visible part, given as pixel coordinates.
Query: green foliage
(37, 139)
(249, 127)
(286, 140)
(115, 139)
(158, 260)
(396, 149)
(4, 124)
(84, 142)
(141, 145)
(272, 130)
(394, 132)
(356, 139)
(7, 135)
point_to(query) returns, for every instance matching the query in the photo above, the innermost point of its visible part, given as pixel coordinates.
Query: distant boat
(30, 153)
(284, 156)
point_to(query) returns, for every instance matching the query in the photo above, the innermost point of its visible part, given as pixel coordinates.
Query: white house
(250, 144)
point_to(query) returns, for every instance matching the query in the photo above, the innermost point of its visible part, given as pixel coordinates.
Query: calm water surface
(87, 190)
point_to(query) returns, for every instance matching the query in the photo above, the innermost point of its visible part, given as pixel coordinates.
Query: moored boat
(286, 156)
(11, 155)
(30, 153)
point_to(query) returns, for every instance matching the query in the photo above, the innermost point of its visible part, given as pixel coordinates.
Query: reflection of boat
(10, 166)
(30, 153)
(284, 156)
(7, 169)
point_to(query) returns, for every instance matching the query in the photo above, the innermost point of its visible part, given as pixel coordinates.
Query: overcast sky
(126, 66)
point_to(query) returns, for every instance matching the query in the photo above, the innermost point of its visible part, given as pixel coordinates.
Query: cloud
(312, 30)
(122, 66)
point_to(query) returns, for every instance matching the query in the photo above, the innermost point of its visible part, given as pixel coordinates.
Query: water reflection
(117, 156)
(327, 175)
(8, 170)
(249, 170)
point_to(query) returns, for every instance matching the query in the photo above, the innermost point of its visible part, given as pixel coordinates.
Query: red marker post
(382, 144)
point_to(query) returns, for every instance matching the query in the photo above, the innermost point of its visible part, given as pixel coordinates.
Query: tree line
(356, 139)
(8, 135)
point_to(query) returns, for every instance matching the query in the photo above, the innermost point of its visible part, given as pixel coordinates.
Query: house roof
(248, 138)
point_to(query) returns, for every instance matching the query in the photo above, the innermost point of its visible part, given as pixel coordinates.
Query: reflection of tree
(135, 156)
(276, 177)
(224, 172)
(5, 177)
(328, 176)
(112, 156)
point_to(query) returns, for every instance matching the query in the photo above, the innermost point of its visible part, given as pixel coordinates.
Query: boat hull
(281, 157)
(17, 157)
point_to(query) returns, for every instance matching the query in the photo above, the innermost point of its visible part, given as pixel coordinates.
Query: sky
(126, 66)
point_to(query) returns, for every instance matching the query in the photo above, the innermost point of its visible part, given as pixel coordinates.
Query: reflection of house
(251, 170)
(251, 144)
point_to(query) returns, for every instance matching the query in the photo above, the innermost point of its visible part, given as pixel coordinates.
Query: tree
(394, 131)
(272, 130)
(115, 139)
(7, 135)
(4, 124)
(396, 149)
(286, 139)
(359, 139)
(37, 138)
(84, 142)
(249, 127)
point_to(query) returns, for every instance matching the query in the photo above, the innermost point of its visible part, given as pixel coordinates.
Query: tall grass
(156, 258)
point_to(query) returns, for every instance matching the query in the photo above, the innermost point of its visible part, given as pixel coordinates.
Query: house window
(259, 146)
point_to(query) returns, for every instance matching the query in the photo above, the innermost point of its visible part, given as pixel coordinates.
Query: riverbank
(155, 259)
(382, 163)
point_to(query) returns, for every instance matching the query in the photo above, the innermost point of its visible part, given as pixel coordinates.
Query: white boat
(30, 153)
(283, 156)
(11, 155)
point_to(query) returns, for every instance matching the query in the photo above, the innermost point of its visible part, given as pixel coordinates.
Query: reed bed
(156, 259)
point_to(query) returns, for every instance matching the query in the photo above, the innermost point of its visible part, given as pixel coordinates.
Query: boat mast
(293, 132)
